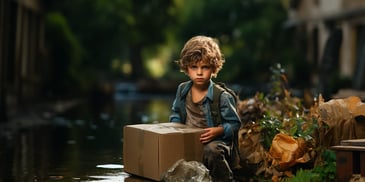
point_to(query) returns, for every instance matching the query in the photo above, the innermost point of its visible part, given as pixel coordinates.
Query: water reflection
(85, 144)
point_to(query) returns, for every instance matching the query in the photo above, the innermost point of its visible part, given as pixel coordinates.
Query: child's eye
(193, 67)
(206, 67)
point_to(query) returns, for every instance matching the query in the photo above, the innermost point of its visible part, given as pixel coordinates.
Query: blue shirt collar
(188, 87)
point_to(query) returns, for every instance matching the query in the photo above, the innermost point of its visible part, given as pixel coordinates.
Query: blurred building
(22, 63)
(332, 35)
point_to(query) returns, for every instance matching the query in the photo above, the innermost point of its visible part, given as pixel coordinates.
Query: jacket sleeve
(175, 116)
(175, 110)
(230, 120)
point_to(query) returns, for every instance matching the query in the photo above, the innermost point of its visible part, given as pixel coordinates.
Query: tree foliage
(65, 52)
(249, 31)
(116, 29)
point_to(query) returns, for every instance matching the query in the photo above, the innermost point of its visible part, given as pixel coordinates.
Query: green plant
(284, 113)
(270, 126)
(327, 171)
(302, 176)
(279, 82)
(323, 172)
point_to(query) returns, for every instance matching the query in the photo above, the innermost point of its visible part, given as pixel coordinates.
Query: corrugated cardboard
(150, 149)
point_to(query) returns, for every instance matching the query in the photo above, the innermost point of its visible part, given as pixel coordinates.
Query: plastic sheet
(345, 119)
(286, 151)
(182, 171)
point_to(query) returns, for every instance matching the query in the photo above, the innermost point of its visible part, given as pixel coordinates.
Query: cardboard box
(149, 150)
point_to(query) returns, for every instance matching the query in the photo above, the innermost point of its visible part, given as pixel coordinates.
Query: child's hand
(211, 133)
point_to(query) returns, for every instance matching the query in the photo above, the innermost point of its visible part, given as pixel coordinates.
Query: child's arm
(175, 114)
(176, 110)
(230, 120)
(211, 133)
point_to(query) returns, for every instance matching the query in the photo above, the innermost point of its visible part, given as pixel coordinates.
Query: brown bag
(345, 119)
(286, 151)
(250, 148)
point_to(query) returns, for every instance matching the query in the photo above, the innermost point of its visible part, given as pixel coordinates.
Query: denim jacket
(230, 119)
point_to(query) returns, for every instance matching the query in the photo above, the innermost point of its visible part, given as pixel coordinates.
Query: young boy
(201, 59)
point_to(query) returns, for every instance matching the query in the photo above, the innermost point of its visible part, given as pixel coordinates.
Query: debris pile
(280, 135)
(285, 138)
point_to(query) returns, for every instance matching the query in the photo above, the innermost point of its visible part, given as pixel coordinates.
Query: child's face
(200, 73)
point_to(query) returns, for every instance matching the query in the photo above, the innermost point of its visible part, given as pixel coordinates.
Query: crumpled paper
(345, 119)
(182, 171)
(287, 151)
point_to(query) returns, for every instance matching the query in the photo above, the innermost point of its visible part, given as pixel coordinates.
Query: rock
(192, 171)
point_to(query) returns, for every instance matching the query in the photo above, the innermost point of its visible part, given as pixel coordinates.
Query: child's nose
(200, 70)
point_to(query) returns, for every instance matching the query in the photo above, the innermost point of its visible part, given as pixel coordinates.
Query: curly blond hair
(201, 49)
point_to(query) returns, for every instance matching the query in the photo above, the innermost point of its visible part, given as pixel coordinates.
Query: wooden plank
(344, 165)
(349, 160)
(354, 142)
(362, 164)
(348, 148)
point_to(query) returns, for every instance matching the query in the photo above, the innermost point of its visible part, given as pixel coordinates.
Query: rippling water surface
(83, 144)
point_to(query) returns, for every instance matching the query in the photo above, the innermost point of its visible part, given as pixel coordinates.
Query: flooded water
(84, 144)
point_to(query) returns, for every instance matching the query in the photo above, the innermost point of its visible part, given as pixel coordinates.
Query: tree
(250, 33)
(117, 29)
(64, 52)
